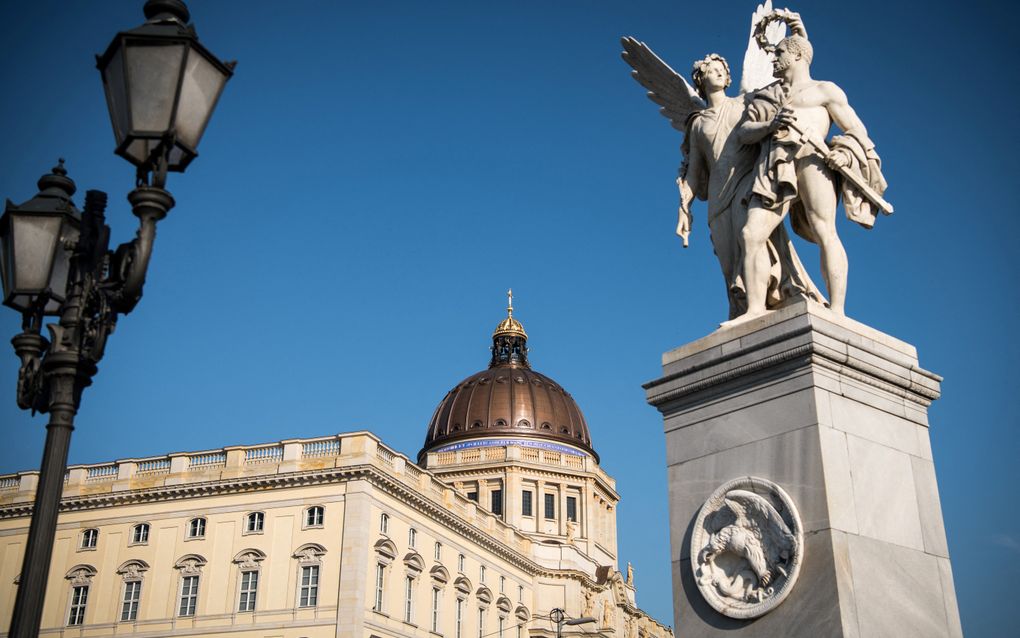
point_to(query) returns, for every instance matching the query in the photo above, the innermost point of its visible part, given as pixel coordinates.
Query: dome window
(524, 423)
(476, 424)
(546, 426)
(564, 430)
(500, 423)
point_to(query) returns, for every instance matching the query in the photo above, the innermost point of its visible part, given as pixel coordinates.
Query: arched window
(254, 523)
(384, 523)
(309, 558)
(196, 528)
(81, 580)
(132, 572)
(412, 537)
(314, 516)
(89, 539)
(386, 552)
(140, 534)
(249, 564)
(190, 569)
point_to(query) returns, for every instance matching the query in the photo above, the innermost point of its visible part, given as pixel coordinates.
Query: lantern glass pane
(200, 89)
(35, 240)
(6, 257)
(61, 266)
(116, 94)
(153, 71)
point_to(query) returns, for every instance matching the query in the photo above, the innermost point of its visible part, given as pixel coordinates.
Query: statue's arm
(841, 112)
(751, 131)
(697, 169)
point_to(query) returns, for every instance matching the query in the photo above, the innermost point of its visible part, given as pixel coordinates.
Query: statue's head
(710, 73)
(790, 51)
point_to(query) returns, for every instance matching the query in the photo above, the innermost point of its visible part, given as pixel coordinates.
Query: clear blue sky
(378, 174)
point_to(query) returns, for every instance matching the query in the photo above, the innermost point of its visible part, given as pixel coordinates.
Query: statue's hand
(783, 119)
(837, 159)
(683, 226)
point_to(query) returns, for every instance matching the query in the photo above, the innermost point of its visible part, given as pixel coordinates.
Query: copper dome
(508, 400)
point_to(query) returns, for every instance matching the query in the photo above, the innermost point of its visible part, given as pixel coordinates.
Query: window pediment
(484, 595)
(133, 569)
(439, 574)
(414, 562)
(386, 549)
(249, 558)
(81, 574)
(463, 585)
(309, 554)
(190, 564)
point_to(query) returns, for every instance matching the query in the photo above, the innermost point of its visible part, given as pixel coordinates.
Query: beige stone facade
(337, 536)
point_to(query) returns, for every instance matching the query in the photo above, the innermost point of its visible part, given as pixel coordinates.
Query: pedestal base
(835, 413)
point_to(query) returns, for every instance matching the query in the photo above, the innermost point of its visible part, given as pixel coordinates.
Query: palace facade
(505, 516)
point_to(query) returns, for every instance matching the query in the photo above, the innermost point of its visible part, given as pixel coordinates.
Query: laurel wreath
(759, 30)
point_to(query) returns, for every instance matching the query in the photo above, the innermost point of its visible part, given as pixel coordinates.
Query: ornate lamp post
(161, 88)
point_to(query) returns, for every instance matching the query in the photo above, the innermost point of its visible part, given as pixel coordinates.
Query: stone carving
(81, 575)
(571, 532)
(798, 174)
(761, 156)
(608, 616)
(716, 166)
(589, 603)
(630, 574)
(747, 547)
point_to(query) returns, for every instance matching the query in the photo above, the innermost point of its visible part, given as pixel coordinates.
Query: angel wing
(757, 71)
(666, 87)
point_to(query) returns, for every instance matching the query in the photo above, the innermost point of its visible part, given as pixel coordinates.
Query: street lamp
(559, 617)
(161, 88)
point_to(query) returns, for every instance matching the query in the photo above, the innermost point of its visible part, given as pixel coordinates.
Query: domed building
(505, 524)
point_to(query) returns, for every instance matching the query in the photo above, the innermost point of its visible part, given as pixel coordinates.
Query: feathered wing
(757, 71)
(777, 541)
(666, 87)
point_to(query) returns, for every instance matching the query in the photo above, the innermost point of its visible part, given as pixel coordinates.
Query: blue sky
(378, 174)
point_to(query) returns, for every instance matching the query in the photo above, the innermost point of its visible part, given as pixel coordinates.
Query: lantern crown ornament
(36, 241)
(161, 88)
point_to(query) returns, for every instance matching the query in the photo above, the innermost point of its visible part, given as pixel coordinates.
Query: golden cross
(510, 302)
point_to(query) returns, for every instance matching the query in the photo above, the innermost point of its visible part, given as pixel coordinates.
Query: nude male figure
(790, 173)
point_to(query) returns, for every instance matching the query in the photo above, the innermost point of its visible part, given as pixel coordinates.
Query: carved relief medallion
(747, 546)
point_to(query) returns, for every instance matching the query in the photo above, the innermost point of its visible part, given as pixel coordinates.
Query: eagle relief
(747, 547)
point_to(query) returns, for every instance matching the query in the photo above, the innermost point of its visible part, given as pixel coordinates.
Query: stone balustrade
(294, 455)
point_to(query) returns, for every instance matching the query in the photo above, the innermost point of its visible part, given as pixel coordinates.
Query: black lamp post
(161, 88)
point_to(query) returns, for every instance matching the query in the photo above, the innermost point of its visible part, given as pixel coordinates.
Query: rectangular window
(526, 503)
(189, 596)
(435, 609)
(132, 594)
(408, 599)
(502, 584)
(550, 506)
(520, 593)
(249, 587)
(481, 622)
(439, 551)
(309, 596)
(380, 579)
(572, 508)
(497, 502)
(79, 597)
(501, 627)
(473, 496)
(460, 619)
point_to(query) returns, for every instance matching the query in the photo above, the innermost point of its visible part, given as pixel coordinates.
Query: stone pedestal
(835, 413)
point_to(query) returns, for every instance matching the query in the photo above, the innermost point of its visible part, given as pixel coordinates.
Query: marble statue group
(761, 157)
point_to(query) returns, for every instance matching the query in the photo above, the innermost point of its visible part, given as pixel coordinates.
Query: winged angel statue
(716, 166)
(749, 528)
